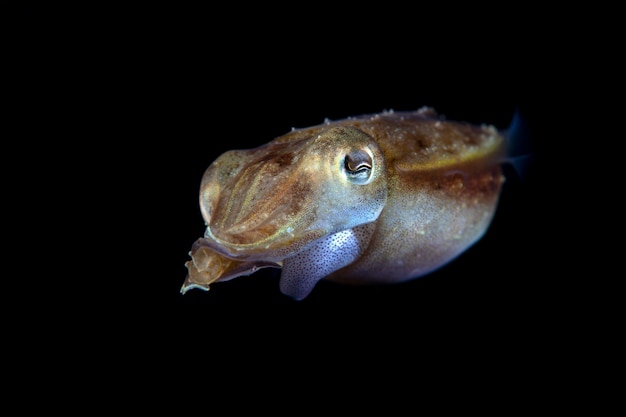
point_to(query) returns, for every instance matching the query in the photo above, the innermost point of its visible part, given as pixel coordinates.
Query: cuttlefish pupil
(378, 198)
(358, 165)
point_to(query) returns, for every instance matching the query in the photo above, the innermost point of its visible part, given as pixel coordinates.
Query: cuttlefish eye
(357, 166)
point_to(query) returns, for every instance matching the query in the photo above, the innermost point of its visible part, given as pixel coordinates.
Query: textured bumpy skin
(378, 198)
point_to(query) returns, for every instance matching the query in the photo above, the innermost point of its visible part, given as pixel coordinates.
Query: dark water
(152, 97)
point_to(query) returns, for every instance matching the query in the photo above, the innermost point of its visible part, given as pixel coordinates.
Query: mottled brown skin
(400, 193)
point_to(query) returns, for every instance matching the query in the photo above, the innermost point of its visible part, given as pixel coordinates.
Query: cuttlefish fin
(207, 267)
(519, 146)
(304, 270)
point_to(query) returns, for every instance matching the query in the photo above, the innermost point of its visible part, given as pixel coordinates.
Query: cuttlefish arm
(206, 267)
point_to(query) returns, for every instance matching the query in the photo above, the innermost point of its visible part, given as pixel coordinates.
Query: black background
(135, 104)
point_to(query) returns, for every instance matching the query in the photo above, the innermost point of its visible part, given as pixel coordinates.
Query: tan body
(377, 198)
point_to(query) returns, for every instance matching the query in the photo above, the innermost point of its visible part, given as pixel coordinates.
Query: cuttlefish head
(265, 205)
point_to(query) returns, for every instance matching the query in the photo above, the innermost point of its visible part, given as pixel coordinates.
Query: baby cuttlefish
(379, 198)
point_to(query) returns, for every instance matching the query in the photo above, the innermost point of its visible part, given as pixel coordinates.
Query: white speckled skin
(373, 199)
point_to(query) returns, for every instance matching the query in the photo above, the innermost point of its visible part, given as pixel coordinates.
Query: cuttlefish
(378, 198)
